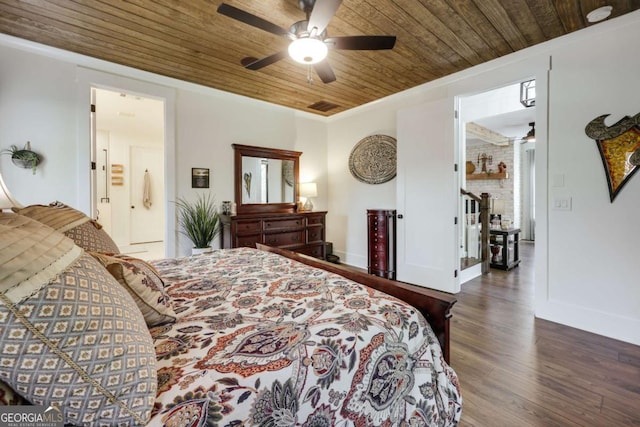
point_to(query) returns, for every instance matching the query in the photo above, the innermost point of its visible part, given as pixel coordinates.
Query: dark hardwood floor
(516, 370)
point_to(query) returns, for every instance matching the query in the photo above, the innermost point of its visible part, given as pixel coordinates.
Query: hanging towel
(146, 192)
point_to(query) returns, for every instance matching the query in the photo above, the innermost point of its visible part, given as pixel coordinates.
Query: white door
(147, 219)
(427, 197)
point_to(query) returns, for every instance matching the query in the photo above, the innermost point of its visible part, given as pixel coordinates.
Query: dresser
(302, 232)
(381, 225)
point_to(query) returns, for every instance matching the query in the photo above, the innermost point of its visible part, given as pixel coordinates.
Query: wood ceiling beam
(474, 130)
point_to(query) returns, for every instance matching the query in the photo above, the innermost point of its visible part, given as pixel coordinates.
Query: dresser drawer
(247, 241)
(283, 224)
(379, 247)
(315, 234)
(248, 227)
(379, 228)
(299, 232)
(284, 239)
(315, 251)
(379, 264)
(315, 219)
(378, 260)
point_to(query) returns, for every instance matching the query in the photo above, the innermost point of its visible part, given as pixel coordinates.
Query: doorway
(497, 161)
(130, 174)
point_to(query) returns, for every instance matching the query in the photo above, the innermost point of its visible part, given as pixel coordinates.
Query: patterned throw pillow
(71, 336)
(143, 283)
(84, 231)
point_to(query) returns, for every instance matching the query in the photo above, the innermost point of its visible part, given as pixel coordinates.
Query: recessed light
(599, 14)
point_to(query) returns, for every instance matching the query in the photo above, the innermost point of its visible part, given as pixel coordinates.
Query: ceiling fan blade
(322, 12)
(255, 64)
(361, 42)
(324, 71)
(250, 19)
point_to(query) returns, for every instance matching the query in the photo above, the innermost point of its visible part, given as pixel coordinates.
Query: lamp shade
(497, 206)
(308, 189)
(6, 199)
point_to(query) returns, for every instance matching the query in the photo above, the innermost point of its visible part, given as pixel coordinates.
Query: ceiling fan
(309, 42)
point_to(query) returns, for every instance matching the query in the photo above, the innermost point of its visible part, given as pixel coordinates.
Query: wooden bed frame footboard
(434, 305)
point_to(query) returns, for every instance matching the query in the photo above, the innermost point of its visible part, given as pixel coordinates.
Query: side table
(504, 248)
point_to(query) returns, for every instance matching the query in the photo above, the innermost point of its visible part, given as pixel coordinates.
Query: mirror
(266, 179)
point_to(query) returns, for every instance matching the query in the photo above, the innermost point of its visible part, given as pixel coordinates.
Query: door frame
(539, 68)
(88, 79)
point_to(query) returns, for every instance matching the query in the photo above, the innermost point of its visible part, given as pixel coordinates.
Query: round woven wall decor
(373, 159)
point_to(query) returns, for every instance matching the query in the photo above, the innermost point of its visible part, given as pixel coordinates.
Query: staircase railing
(484, 207)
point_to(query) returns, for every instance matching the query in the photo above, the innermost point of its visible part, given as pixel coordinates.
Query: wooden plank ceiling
(189, 40)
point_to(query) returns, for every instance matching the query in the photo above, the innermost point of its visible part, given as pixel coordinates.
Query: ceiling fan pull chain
(309, 75)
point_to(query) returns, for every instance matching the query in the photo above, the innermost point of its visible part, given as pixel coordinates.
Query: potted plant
(199, 221)
(23, 157)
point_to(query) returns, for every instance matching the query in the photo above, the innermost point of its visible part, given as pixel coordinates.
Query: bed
(269, 337)
(236, 337)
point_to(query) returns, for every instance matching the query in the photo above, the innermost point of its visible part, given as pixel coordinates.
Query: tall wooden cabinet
(381, 224)
(302, 232)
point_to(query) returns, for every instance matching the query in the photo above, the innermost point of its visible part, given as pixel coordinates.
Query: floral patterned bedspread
(263, 340)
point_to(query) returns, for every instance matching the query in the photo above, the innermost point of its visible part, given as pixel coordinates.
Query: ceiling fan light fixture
(308, 50)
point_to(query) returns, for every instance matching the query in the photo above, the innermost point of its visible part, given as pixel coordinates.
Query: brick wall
(505, 190)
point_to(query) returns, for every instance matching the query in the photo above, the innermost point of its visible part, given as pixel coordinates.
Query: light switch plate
(562, 204)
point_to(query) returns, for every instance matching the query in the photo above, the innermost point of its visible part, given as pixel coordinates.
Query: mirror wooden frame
(269, 153)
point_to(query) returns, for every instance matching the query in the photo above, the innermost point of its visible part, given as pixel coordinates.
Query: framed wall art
(199, 178)
(618, 145)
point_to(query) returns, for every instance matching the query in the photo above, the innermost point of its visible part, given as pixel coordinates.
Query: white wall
(349, 198)
(311, 139)
(593, 249)
(39, 102)
(585, 272)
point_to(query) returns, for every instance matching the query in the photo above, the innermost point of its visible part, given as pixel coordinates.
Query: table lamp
(308, 190)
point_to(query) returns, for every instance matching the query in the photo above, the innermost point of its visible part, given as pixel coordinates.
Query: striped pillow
(85, 232)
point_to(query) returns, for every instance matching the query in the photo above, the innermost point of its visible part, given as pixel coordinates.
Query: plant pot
(198, 251)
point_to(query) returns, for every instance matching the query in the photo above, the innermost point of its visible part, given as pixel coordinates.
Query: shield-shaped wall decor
(617, 145)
